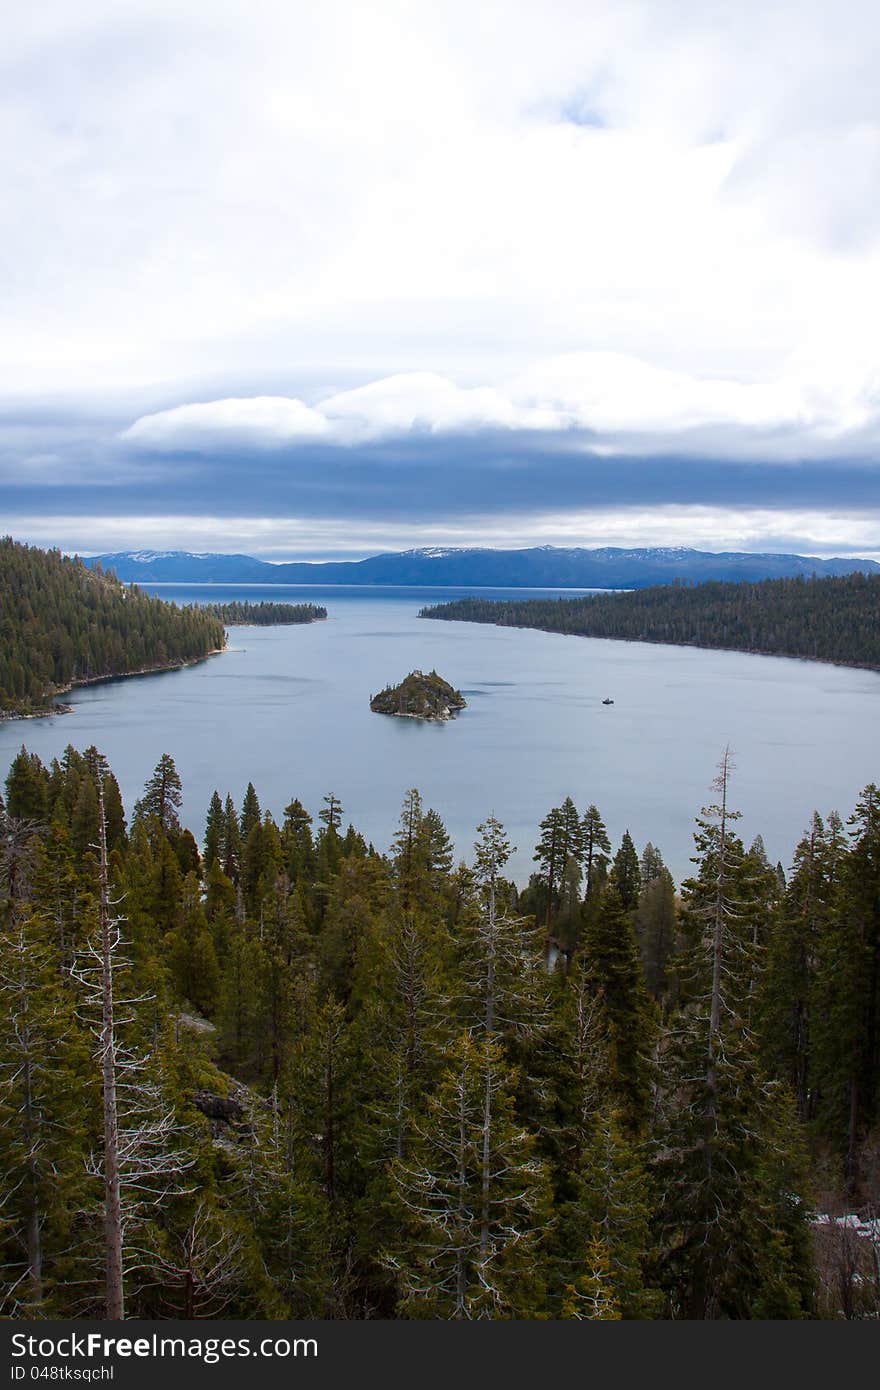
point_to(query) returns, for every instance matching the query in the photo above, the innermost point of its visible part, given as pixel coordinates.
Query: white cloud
(193, 190)
(622, 401)
(407, 403)
(253, 421)
(423, 401)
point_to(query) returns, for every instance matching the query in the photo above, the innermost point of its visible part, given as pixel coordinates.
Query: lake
(288, 708)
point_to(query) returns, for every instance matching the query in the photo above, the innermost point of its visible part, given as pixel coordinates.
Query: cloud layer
(193, 191)
(621, 401)
(429, 268)
(838, 532)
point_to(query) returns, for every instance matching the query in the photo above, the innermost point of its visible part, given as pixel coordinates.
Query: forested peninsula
(834, 619)
(341, 1083)
(264, 614)
(63, 624)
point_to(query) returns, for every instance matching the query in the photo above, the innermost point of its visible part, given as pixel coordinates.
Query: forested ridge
(62, 624)
(834, 619)
(264, 613)
(281, 1073)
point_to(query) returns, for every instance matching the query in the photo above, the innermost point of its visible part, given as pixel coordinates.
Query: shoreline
(80, 681)
(423, 718)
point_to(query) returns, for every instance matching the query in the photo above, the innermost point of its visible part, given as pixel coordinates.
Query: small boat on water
(607, 701)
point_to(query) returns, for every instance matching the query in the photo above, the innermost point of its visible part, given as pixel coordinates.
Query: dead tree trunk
(113, 1272)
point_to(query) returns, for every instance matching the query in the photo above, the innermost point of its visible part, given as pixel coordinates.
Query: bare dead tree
(471, 1190)
(139, 1132)
(202, 1271)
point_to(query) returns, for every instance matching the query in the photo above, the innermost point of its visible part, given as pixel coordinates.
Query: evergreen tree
(27, 787)
(627, 873)
(503, 975)
(611, 960)
(296, 837)
(785, 1005)
(655, 927)
(596, 850)
(726, 1233)
(84, 821)
(331, 815)
(551, 854)
(251, 815)
(163, 795)
(65, 624)
(610, 1208)
(231, 841)
(472, 1198)
(393, 1104)
(215, 833)
(847, 988)
(192, 954)
(43, 1096)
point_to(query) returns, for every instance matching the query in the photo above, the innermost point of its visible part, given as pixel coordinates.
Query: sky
(308, 281)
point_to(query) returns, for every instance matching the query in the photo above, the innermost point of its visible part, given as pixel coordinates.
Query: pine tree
(84, 821)
(331, 815)
(503, 975)
(408, 853)
(273, 1182)
(251, 815)
(321, 1084)
(231, 841)
(725, 1228)
(627, 873)
(610, 1208)
(43, 1098)
(593, 1295)
(568, 918)
(192, 956)
(847, 1033)
(296, 837)
(238, 1021)
(611, 961)
(550, 855)
(163, 796)
(655, 927)
(215, 833)
(140, 1153)
(785, 1003)
(596, 850)
(472, 1197)
(27, 787)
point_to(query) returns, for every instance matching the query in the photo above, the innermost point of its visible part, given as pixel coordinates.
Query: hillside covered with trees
(835, 619)
(243, 613)
(62, 624)
(285, 1074)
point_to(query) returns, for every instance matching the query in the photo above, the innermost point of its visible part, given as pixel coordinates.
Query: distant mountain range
(545, 566)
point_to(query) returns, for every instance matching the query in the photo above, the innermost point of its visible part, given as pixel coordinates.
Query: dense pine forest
(62, 624)
(280, 1073)
(835, 619)
(264, 614)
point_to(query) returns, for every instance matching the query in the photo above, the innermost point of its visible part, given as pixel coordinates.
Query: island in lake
(243, 613)
(419, 696)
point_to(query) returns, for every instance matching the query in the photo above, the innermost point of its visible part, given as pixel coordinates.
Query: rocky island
(419, 696)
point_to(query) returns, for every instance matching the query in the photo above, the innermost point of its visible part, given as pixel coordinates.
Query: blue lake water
(288, 708)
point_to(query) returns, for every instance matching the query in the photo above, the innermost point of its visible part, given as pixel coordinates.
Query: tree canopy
(830, 619)
(63, 624)
(287, 1075)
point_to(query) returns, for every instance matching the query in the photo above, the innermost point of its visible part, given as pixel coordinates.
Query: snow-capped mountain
(539, 567)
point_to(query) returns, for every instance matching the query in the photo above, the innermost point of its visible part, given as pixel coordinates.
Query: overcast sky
(315, 279)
